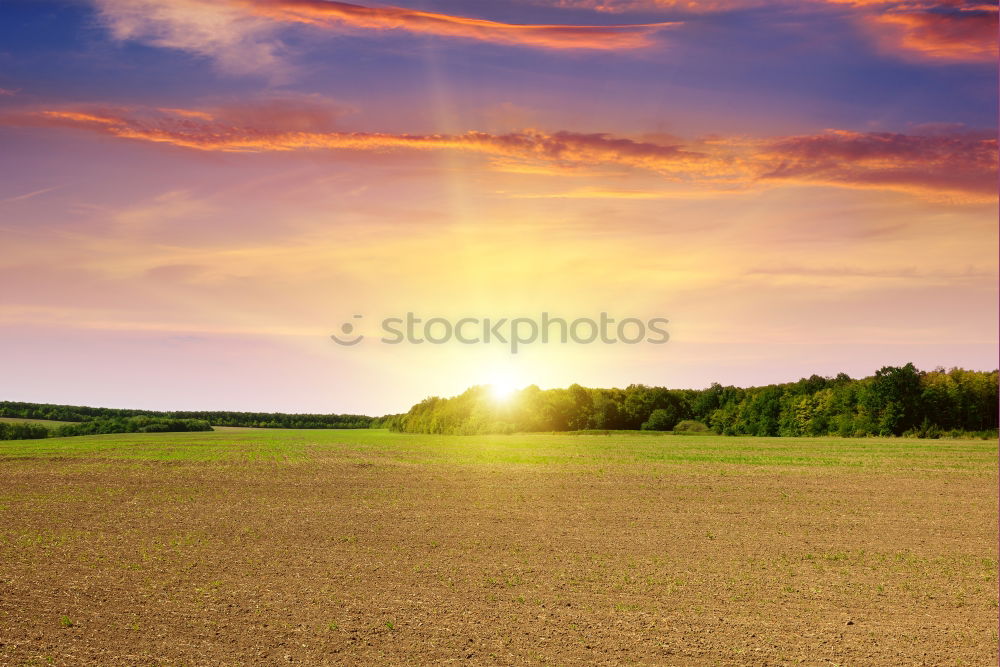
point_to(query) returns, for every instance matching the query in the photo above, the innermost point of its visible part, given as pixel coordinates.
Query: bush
(925, 430)
(20, 431)
(659, 420)
(690, 426)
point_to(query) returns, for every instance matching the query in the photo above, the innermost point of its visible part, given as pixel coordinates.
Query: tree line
(139, 424)
(22, 431)
(895, 401)
(77, 413)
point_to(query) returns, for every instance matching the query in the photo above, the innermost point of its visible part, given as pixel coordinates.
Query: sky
(196, 194)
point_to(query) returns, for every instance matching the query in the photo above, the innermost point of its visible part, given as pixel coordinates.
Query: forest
(895, 401)
(76, 413)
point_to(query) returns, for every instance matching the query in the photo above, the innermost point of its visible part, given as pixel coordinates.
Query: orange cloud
(959, 163)
(327, 13)
(687, 6)
(242, 34)
(191, 130)
(959, 34)
(934, 30)
(944, 162)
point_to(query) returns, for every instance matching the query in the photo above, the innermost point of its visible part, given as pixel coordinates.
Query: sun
(501, 389)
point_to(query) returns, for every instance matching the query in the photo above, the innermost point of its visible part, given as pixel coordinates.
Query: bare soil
(335, 561)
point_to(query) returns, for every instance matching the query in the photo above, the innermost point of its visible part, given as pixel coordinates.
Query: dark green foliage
(140, 424)
(895, 401)
(22, 431)
(76, 413)
(660, 420)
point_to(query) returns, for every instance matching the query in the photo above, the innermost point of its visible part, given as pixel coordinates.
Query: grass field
(364, 547)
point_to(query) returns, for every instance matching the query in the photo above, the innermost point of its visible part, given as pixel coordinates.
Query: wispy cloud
(631, 194)
(950, 163)
(239, 41)
(226, 133)
(687, 6)
(908, 274)
(28, 195)
(243, 36)
(330, 14)
(927, 30)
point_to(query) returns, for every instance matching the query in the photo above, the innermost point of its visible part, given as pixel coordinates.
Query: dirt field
(364, 547)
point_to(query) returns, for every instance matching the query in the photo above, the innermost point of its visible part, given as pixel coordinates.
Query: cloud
(907, 274)
(239, 41)
(166, 207)
(941, 33)
(28, 195)
(631, 194)
(926, 30)
(235, 130)
(330, 14)
(943, 162)
(242, 36)
(686, 6)
(961, 163)
(290, 112)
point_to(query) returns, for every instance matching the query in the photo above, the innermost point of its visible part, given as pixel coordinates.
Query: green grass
(372, 446)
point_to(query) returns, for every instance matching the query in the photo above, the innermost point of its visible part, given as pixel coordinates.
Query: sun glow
(502, 388)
